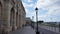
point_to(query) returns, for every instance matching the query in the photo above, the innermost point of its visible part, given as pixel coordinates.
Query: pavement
(30, 30)
(25, 30)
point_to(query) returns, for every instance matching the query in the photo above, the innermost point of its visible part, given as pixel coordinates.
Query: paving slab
(25, 30)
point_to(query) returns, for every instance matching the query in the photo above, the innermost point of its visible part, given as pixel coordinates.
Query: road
(45, 31)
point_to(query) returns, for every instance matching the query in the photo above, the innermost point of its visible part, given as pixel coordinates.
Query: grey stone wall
(12, 15)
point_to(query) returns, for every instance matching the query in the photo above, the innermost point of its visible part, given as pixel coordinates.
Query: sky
(48, 10)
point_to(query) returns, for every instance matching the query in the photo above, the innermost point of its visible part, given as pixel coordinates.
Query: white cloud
(28, 5)
(28, 0)
(54, 10)
(42, 17)
(41, 3)
(51, 5)
(48, 4)
(34, 13)
(26, 10)
(44, 3)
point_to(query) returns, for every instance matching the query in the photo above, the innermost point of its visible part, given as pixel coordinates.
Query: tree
(40, 22)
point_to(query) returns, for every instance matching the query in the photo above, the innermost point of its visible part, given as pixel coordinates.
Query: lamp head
(36, 8)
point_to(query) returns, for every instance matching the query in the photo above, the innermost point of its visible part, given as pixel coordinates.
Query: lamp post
(32, 22)
(37, 20)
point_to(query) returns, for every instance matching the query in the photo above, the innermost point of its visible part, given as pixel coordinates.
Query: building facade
(12, 15)
(28, 21)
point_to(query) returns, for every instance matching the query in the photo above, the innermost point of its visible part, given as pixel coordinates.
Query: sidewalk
(25, 30)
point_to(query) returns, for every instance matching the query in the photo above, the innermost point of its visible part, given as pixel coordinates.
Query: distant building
(12, 15)
(57, 23)
(28, 21)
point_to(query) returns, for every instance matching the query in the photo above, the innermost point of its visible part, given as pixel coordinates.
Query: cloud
(52, 7)
(34, 13)
(28, 0)
(44, 3)
(26, 10)
(28, 5)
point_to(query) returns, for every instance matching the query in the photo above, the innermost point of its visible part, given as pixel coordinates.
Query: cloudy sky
(49, 10)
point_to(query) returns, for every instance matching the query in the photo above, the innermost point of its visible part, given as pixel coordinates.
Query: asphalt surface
(25, 30)
(29, 30)
(45, 31)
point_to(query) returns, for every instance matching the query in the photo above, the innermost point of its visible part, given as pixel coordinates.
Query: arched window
(12, 17)
(16, 18)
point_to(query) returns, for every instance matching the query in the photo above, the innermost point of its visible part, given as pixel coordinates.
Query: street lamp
(32, 23)
(37, 19)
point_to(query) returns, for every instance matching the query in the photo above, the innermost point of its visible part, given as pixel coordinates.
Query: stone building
(12, 15)
(28, 21)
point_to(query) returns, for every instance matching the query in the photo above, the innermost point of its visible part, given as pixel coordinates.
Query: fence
(54, 29)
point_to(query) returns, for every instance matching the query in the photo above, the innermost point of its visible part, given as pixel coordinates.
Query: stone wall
(12, 15)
